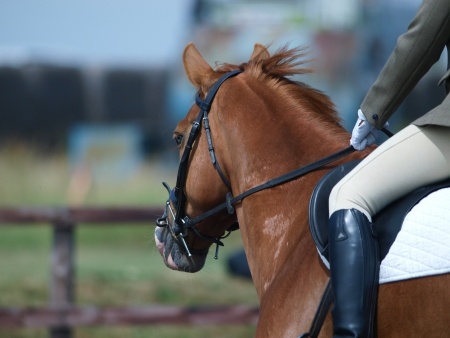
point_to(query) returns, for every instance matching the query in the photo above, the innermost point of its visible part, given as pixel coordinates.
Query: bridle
(181, 223)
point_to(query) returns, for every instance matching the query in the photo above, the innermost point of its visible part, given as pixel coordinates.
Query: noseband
(181, 222)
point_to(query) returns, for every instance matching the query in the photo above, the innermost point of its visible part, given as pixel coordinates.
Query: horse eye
(178, 139)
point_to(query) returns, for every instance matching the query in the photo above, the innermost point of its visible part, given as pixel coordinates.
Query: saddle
(387, 223)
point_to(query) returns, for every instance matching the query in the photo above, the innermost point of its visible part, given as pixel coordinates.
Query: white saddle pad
(422, 247)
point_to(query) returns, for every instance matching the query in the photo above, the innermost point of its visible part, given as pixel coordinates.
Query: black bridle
(181, 222)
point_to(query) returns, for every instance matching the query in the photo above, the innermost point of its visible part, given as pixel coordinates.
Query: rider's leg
(414, 157)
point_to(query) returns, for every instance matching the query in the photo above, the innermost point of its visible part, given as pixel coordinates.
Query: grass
(115, 266)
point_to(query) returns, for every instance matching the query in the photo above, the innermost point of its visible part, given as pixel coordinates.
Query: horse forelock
(275, 71)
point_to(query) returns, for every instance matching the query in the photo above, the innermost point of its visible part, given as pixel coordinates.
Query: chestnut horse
(262, 125)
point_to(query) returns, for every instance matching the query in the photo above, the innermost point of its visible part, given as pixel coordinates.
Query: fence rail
(61, 316)
(143, 315)
(59, 216)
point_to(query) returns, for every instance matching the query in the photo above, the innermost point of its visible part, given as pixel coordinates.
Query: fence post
(62, 274)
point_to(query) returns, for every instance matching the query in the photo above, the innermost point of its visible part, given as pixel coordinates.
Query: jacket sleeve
(416, 51)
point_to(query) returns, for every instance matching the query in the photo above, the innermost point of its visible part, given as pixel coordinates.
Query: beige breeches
(413, 157)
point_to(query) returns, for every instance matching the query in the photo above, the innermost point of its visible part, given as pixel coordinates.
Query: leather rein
(181, 222)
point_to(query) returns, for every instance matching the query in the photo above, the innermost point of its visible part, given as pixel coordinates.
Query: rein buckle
(230, 207)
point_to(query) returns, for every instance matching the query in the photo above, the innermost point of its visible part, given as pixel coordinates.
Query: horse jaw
(173, 256)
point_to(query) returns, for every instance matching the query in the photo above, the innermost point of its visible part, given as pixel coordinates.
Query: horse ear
(195, 66)
(260, 53)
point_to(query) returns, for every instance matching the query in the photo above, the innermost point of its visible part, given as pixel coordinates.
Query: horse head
(201, 183)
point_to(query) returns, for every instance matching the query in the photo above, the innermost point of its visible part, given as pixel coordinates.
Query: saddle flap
(318, 205)
(387, 223)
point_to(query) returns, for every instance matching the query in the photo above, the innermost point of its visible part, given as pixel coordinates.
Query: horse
(261, 125)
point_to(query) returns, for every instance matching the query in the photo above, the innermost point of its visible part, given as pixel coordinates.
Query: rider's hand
(364, 134)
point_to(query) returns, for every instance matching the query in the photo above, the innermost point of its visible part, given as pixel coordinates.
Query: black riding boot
(354, 265)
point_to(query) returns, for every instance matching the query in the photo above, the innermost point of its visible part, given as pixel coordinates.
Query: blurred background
(90, 92)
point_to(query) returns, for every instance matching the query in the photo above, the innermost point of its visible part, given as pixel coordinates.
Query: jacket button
(375, 117)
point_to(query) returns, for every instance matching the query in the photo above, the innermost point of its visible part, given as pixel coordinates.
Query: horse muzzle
(169, 239)
(174, 254)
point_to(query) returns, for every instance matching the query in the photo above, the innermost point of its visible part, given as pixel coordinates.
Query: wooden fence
(61, 315)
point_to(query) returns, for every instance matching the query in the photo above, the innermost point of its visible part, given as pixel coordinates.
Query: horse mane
(276, 69)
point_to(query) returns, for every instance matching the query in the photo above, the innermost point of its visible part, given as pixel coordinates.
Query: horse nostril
(159, 236)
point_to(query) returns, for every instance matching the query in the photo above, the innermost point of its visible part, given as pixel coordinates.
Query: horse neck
(263, 141)
(262, 144)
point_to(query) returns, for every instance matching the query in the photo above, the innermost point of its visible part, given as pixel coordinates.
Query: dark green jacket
(416, 51)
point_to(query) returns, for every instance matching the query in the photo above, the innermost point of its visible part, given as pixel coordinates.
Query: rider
(417, 155)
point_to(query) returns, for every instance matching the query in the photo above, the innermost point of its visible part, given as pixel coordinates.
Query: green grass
(115, 266)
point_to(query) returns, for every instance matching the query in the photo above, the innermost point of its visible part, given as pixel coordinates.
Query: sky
(108, 31)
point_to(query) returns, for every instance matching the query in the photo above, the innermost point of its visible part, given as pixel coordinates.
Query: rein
(296, 173)
(230, 201)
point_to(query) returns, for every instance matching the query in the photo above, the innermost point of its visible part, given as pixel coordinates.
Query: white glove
(364, 133)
